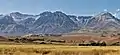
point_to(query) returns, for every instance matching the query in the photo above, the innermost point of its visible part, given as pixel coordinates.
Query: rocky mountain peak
(105, 15)
(16, 13)
(104, 21)
(46, 13)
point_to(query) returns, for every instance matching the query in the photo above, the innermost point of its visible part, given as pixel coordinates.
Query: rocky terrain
(56, 22)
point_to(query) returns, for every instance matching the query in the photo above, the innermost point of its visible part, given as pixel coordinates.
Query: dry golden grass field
(23, 46)
(58, 50)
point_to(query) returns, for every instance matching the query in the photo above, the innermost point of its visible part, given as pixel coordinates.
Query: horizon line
(55, 11)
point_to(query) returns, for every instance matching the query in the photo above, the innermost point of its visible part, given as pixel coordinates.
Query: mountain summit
(104, 21)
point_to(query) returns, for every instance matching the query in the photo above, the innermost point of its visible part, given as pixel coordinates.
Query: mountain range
(56, 22)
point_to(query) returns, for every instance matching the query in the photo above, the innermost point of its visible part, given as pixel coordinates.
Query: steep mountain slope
(81, 21)
(9, 25)
(104, 21)
(56, 22)
(17, 16)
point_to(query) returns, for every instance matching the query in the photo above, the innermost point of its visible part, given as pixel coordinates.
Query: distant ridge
(56, 22)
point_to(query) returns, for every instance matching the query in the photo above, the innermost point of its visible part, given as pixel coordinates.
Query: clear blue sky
(68, 6)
